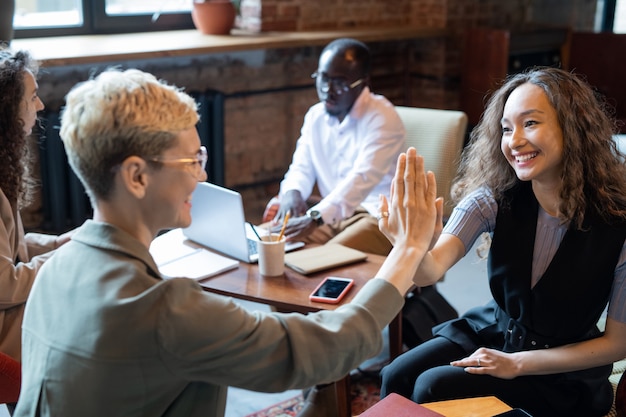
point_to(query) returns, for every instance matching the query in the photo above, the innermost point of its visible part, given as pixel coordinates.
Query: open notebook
(177, 256)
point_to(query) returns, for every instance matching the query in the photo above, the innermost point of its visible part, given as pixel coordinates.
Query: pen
(254, 230)
(282, 229)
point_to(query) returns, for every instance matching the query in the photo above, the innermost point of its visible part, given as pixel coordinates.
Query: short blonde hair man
(105, 335)
(114, 116)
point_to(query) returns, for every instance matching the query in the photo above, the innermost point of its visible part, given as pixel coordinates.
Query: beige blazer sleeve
(20, 258)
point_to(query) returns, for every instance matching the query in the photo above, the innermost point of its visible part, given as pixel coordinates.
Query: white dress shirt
(353, 162)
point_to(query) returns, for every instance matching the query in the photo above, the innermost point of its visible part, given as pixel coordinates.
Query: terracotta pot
(214, 17)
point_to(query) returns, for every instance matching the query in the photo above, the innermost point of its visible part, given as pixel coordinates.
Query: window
(619, 21)
(54, 13)
(34, 18)
(70, 17)
(611, 16)
(125, 7)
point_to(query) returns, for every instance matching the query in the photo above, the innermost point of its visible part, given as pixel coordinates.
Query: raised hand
(414, 211)
(408, 220)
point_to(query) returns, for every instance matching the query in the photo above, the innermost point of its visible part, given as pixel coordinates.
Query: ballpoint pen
(254, 230)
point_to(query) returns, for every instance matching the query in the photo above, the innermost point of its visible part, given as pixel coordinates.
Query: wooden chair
(439, 136)
(10, 379)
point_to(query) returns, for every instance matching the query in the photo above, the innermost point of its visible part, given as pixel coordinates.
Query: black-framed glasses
(340, 86)
(195, 166)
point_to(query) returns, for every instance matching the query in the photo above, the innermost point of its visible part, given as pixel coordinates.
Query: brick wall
(294, 15)
(261, 127)
(267, 92)
(424, 73)
(300, 15)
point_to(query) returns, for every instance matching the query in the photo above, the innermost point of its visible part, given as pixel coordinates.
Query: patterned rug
(287, 408)
(364, 391)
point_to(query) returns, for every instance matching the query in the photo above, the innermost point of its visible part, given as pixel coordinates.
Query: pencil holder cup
(271, 255)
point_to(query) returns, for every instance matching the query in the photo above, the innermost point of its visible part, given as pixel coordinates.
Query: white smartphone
(331, 290)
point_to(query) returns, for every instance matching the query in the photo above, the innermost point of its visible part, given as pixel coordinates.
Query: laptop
(218, 222)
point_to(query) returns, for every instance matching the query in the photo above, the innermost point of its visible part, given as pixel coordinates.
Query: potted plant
(215, 17)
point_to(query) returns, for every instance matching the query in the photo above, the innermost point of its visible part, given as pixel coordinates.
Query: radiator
(65, 204)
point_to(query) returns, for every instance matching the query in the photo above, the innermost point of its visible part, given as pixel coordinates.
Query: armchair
(438, 135)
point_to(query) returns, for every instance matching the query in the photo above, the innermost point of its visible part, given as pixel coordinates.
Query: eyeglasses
(195, 166)
(340, 86)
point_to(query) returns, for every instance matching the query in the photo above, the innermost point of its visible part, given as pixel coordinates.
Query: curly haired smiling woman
(542, 176)
(21, 255)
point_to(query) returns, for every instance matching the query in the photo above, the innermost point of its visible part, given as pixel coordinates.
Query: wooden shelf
(88, 49)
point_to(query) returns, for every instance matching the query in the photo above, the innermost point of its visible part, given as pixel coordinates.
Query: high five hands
(414, 213)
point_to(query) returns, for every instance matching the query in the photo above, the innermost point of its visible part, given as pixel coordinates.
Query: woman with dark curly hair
(543, 181)
(21, 255)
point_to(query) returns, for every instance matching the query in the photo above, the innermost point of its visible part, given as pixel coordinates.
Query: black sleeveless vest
(567, 302)
(562, 308)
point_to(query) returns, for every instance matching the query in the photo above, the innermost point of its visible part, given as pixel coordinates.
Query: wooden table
(290, 293)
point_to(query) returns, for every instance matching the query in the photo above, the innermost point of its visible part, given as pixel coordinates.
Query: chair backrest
(438, 135)
(10, 379)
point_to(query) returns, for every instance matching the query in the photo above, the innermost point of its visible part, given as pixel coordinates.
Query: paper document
(177, 256)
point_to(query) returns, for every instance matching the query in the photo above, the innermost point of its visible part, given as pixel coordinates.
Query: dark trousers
(423, 374)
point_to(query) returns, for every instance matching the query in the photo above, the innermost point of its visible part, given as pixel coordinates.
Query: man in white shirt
(348, 146)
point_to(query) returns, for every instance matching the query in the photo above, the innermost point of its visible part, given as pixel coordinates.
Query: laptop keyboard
(252, 247)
